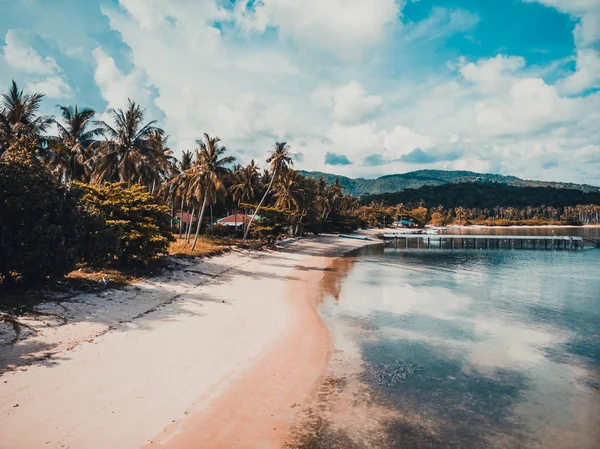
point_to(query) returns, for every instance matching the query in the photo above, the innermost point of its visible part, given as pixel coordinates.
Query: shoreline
(191, 371)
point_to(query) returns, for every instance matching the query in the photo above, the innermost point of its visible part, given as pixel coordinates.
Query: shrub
(39, 221)
(137, 225)
(273, 224)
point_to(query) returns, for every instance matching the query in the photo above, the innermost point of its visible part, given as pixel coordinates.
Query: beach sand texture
(217, 354)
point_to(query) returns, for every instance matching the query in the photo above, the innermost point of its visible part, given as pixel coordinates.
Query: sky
(361, 88)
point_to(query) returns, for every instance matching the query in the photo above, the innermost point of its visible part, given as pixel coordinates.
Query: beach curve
(228, 364)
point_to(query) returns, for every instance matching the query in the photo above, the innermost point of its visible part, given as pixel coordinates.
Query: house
(186, 217)
(407, 224)
(234, 220)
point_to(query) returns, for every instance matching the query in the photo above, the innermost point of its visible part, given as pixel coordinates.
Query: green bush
(39, 221)
(273, 224)
(137, 226)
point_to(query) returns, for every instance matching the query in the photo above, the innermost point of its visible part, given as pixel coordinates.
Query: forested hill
(486, 195)
(420, 178)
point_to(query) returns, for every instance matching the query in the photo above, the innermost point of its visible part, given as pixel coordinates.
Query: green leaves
(39, 222)
(139, 224)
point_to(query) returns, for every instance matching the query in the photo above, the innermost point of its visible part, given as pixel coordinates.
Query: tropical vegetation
(110, 193)
(75, 190)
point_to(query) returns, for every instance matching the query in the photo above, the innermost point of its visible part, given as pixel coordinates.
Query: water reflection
(477, 349)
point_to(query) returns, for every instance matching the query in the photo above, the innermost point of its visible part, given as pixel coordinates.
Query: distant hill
(420, 178)
(486, 195)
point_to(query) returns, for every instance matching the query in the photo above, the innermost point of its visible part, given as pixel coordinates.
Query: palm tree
(19, 117)
(289, 190)
(208, 173)
(280, 160)
(333, 193)
(187, 159)
(246, 185)
(158, 163)
(72, 148)
(131, 152)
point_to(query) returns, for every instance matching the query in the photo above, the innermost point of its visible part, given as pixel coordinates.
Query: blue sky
(357, 87)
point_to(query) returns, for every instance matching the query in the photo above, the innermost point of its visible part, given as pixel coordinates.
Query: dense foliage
(137, 227)
(39, 220)
(487, 195)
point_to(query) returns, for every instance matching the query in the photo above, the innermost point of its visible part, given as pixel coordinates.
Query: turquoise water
(476, 348)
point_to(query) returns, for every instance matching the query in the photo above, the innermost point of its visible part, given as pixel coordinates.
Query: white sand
(134, 366)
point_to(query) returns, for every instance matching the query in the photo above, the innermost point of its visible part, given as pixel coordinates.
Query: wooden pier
(458, 241)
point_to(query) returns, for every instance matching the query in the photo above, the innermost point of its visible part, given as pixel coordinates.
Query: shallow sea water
(473, 348)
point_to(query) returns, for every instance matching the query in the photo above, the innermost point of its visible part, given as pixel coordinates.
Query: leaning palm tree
(70, 151)
(207, 175)
(280, 160)
(19, 117)
(129, 153)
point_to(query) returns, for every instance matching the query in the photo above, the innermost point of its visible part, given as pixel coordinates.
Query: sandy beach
(218, 353)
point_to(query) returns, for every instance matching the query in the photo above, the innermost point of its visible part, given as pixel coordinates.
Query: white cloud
(345, 27)
(494, 74)
(495, 114)
(442, 22)
(43, 73)
(24, 58)
(53, 87)
(115, 86)
(351, 102)
(586, 76)
(586, 35)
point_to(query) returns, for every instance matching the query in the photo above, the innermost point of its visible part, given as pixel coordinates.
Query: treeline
(74, 189)
(487, 196)
(378, 214)
(490, 204)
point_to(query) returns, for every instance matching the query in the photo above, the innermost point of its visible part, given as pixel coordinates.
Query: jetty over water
(464, 241)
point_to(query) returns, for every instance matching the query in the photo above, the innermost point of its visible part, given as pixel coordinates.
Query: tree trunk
(181, 218)
(189, 226)
(172, 212)
(258, 207)
(199, 222)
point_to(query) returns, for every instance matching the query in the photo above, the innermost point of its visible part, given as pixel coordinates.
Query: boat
(355, 237)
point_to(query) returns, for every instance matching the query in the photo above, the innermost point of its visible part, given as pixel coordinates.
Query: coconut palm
(131, 152)
(158, 162)
(73, 147)
(289, 190)
(19, 117)
(333, 193)
(280, 160)
(187, 159)
(206, 177)
(246, 184)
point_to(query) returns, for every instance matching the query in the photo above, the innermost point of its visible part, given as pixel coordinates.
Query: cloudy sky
(357, 87)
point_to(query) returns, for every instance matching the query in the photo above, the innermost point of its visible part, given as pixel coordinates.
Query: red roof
(186, 217)
(237, 218)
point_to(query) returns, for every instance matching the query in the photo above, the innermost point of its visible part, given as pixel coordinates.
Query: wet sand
(227, 362)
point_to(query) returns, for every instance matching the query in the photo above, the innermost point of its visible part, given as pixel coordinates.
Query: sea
(466, 348)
